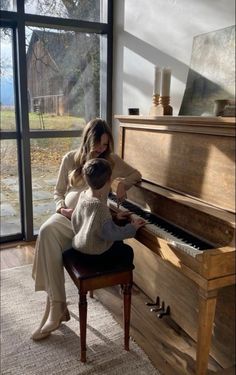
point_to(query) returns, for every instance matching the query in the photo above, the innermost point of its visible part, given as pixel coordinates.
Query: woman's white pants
(55, 236)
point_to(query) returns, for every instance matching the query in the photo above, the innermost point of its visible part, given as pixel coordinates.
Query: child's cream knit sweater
(94, 229)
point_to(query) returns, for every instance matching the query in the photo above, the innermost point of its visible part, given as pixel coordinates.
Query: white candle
(166, 77)
(157, 81)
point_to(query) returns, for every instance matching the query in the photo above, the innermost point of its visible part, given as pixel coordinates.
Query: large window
(55, 77)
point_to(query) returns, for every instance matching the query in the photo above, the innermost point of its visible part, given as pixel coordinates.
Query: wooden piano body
(188, 178)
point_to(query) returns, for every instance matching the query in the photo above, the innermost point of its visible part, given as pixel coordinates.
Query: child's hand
(138, 223)
(67, 212)
(123, 215)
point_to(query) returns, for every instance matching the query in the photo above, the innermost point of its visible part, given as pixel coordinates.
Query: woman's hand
(120, 193)
(67, 212)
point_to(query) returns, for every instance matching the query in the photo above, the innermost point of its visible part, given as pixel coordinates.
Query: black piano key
(164, 225)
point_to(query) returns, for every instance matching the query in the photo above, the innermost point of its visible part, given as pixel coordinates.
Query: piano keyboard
(163, 229)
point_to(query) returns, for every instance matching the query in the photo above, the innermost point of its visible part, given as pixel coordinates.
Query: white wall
(158, 32)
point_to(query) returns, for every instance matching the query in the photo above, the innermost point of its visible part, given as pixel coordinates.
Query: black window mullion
(24, 130)
(55, 133)
(70, 24)
(57, 23)
(109, 62)
(18, 133)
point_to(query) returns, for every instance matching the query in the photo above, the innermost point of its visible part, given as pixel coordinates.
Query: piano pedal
(157, 303)
(158, 308)
(164, 312)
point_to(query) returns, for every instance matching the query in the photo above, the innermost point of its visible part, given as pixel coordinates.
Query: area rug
(21, 311)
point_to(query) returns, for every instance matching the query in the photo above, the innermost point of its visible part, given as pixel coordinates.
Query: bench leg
(83, 325)
(126, 315)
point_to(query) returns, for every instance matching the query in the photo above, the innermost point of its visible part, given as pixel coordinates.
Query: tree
(5, 5)
(85, 74)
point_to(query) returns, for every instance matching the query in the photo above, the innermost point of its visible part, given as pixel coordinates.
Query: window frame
(18, 20)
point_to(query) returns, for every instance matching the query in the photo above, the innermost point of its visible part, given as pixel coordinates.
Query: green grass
(51, 122)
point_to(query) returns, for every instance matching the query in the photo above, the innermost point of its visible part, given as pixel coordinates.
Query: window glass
(8, 5)
(7, 101)
(86, 10)
(63, 69)
(10, 217)
(46, 156)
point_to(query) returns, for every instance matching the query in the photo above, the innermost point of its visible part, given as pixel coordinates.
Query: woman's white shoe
(37, 335)
(58, 313)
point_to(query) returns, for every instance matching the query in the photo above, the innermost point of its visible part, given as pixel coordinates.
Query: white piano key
(162, 233)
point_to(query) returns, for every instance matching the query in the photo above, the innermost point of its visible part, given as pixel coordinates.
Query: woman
(55, 235)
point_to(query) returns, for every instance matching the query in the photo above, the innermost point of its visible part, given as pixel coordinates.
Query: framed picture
(211, 75)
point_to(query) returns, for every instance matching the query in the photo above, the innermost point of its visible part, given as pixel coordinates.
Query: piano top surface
(203, 120)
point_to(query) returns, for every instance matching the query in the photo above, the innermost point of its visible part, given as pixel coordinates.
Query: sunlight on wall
(137, 82)
(166, 24)
(170, 25)
(160, 32)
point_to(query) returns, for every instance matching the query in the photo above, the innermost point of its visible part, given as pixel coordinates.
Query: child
(95, 231)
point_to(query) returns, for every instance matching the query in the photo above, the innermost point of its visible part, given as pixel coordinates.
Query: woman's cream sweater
(67, 196)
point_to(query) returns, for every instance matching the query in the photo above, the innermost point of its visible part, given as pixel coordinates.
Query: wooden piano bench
(88, 276)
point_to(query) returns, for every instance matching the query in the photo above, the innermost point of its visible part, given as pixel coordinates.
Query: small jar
(219, 106)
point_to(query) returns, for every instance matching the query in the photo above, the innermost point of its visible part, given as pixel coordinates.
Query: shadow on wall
(179, 71)
(148, 52)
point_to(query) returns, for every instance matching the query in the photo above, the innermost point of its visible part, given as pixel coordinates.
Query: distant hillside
(6, 91)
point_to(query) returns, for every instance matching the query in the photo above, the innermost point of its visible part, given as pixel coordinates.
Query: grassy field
(37, 122)
(45, 152)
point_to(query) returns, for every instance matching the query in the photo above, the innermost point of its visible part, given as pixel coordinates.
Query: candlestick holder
(165, 109)
(155, 105)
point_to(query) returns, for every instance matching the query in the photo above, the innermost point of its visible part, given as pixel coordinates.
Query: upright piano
(185, 254)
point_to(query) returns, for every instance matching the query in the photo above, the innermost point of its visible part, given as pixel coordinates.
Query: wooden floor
(168, 347)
